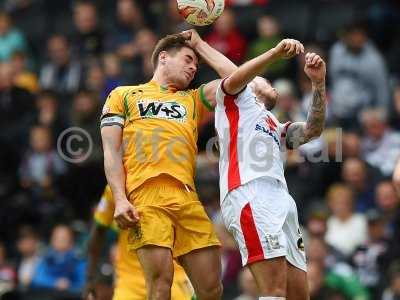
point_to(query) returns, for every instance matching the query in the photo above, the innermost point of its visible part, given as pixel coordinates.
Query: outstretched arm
(299, 133)
(237, 78)
(245, 73)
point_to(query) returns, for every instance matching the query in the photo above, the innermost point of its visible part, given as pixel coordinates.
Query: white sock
(272, 298)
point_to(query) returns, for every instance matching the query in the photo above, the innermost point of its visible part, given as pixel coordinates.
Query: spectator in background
(136, 59)
(269, 35)
(394, 111)
(230, 258)
(351, 145)
(317, 286)
(85, 178)
(28, 250)
(358, 76)
(247, 285)
(62, 73)
(287, 108)
(338, 278)
(392, 292)
(84, 114)
(17, 109)
(389, 204)
(344, 223)
(60, 268)
(88, 38)
(226, 38)
(367, 258)
(11, 39)
(379, 141)
(362, 182)
(41, 165)
(129, 20)
(174, 22)
(8, 276)
(24, 78)
(112, 72)
(49, 114)
(95, 79)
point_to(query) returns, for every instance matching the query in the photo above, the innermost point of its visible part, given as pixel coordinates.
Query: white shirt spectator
(345, 236)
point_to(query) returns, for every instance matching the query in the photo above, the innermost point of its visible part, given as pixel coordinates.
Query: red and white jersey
(251, 140)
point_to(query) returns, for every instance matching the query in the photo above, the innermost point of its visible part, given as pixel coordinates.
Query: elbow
(230, 86)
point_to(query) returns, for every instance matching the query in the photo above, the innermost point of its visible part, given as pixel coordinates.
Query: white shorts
(262, 217)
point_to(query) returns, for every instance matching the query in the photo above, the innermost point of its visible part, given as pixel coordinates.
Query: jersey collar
(162, 88)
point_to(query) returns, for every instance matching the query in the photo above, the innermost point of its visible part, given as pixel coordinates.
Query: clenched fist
(289, 48)
(315, 68)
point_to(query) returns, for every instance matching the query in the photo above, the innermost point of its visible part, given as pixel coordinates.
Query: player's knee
(160, 285)
(211, 291)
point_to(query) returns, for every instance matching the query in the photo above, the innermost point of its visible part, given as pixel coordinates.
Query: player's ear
(162, 57)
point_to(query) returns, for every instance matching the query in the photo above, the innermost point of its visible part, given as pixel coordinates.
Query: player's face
(264, 92)
(181, 67)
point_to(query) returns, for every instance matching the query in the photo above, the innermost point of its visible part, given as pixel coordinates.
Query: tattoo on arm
(300, 133)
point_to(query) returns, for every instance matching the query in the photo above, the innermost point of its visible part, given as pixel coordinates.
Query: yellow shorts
(171, 216)
(135, 289)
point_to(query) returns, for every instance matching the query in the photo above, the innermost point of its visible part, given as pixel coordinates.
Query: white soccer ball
(200, 12)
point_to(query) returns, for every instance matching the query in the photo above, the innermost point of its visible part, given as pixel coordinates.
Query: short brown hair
(170, 43)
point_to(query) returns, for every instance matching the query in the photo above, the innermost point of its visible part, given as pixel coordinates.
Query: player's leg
(270, 276)
(158, 270)
(203, 266)
(197, 247)
(255, 213)
(152, 238)
(297, 286)
(181, 288)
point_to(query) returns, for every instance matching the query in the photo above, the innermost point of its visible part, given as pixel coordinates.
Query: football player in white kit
(256, 205)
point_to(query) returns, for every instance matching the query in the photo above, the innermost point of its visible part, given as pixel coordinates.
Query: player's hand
(192, 37)
(315, 68)
(125, 214)
(289, 48)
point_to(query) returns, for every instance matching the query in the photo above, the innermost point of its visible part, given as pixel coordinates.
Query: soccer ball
(200, 12)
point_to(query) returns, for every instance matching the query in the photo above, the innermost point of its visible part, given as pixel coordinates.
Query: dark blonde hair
(171, 43)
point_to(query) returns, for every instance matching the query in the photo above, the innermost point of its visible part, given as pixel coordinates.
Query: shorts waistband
(166, 180)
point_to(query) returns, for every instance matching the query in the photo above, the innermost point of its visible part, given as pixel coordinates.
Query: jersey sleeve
(104, 212)
(202, 105)
(283, 127)
(242, 97)
(114, 112)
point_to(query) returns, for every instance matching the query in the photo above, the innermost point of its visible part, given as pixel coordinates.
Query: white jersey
(251, 140)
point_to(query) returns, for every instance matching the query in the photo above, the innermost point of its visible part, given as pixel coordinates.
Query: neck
(162, 79)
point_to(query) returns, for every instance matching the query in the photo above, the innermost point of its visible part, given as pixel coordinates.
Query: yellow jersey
(159, 130)
(130, 281)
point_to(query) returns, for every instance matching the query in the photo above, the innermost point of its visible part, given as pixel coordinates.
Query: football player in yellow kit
(129, 280)
(149, 135)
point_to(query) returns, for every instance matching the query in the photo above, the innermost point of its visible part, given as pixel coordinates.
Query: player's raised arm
(238, 80)
(299, 133)
(215, 59)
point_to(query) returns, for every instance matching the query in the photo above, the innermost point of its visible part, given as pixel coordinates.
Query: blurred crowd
(60, 59)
